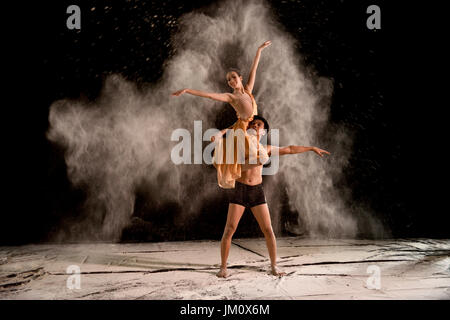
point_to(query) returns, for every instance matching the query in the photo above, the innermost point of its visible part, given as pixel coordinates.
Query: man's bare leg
(235, 212)
(262, 215)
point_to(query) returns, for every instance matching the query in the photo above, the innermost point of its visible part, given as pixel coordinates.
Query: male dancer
(249, 192)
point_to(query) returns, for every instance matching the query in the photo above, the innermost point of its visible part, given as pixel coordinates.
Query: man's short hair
(266, 124)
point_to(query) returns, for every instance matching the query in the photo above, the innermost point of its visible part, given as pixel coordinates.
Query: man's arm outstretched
(295, 149)
(286, 150)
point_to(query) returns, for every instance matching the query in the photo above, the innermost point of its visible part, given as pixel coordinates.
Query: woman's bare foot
(277, 272)
(223, 273)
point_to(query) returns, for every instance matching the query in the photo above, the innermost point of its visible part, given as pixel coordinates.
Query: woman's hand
(319, 151)
(179, 92)
(265, 44)
(218, 135)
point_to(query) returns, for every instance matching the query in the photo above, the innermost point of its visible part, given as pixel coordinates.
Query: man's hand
(179, 92)
(319, 151)
(265, 44)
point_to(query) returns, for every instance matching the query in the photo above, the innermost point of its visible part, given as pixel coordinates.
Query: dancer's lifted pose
(245, 106)
(249, 192)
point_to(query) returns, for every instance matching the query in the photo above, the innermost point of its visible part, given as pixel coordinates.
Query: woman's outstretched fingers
(179, 92)
(265, 44)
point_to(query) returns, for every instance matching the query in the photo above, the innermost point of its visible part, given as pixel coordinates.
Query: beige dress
(254, 152)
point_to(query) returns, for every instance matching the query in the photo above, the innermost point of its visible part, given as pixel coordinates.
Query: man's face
(258, 126)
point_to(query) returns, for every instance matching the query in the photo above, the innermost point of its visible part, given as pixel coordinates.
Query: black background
(389, 89)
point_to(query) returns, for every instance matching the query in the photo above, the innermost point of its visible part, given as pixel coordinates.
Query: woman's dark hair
(235, 70)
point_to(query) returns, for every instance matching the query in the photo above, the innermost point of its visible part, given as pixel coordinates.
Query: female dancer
(245, 106)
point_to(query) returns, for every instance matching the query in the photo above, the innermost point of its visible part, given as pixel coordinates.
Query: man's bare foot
(223, 273)
(277, 272)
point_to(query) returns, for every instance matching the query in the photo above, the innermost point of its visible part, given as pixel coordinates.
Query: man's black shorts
(245, 195)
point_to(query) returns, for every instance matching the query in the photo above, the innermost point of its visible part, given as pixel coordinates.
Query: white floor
(317, 269)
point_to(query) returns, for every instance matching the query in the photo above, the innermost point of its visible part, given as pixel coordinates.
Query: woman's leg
(235, 212)
(262, 215)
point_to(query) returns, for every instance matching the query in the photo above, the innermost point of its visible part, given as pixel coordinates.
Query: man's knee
(268, 231)
(229, 231)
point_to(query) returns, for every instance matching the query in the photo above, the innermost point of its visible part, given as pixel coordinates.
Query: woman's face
(234, 80)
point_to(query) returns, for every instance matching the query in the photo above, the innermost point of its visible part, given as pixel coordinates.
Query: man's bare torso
(253, 176)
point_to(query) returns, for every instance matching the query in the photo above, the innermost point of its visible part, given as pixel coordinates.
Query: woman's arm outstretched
(224, 97)
(251, 78)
